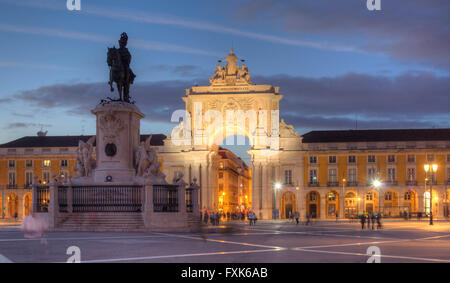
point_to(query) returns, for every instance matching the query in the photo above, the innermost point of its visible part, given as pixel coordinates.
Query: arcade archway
(288, 204)
(313, 204)
(350, 205)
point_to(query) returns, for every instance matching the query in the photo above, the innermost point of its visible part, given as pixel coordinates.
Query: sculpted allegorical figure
(147, 164)
(244, 74)
(85, 161)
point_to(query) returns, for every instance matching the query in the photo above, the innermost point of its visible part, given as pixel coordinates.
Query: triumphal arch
(232, 106)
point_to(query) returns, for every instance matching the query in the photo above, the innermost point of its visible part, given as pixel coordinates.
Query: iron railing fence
(62, 198)
(107, 198)
(42, 199)
(165, 198)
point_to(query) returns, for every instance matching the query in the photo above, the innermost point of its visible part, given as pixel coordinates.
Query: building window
(371, 159)
(391, 158)
(220, 175)
(312, 196)
(313, 160)
(408, 196)
(388, 196)
(64, 176)
(288, 177)
(64, 163)
(220, 187)
(391, 174)
(332, 175)
(411, 174)
(448, 175)
(221, 165)
(28, 178)
(29, 163)
(371, 174)
(448, 158)
(352, 175)
(331, 196)
(46, 163)
(332, 159)
(411, 158)
(11, 164)
(352, 159)
(46, 177)
(313, 176)
(11, 178)
(369, 196)
(430, 157)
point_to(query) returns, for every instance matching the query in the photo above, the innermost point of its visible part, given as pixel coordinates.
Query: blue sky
(334, 61)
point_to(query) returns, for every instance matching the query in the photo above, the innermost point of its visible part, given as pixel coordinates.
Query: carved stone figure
(244, 74)
(147, 164)
(85, 161)
(231, 73)
(120, 72)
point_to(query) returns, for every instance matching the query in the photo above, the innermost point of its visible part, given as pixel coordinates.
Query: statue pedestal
(118, 135)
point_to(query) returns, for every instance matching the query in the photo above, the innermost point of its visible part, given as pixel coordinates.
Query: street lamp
(430, 168)
(377, 184)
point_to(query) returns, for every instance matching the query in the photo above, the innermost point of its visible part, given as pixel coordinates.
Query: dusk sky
(334, 61)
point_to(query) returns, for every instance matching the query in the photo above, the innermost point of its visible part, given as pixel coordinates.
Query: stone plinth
(118, 136)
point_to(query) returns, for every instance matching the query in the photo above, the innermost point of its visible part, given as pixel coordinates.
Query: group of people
(214, 218)
(295, 216)
(372, 217)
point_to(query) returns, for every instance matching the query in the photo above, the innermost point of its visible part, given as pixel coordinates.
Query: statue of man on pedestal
(120, 72)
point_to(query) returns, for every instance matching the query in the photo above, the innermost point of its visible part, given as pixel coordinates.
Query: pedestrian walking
(308, 220)
(363, 221)
(297, 215)
(379, 226)
(373, 220)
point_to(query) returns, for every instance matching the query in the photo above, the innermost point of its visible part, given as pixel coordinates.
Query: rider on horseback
(120, 71)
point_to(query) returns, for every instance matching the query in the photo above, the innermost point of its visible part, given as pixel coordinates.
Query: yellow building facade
(383, 171)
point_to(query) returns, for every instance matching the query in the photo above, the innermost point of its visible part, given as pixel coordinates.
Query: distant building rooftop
(377, 135)
(66, 141)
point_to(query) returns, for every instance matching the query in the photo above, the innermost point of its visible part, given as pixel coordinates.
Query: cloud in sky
(308, 103)
(136, 43)
(146, 18)
(414, 30)
(17, 125)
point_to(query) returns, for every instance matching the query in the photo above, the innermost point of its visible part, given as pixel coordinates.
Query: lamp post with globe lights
(377, 184)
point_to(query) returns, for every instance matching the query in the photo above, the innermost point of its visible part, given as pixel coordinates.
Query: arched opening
(12, 206)
(350, 205)
(234, 183)
(371, 202)
(27, 198)
(434, 204)
(446, 203)
(409, 202)
(332, 204)
(391, 207)
(288, 205)
(313, 204)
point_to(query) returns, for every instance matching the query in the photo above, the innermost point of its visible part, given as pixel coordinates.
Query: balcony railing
(411, 183)
(352, 183)
(333, 184)
(391, 183)
(313, 184)
(11, 186)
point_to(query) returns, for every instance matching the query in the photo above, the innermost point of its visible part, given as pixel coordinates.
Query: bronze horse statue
(117, 73)
(118, 60)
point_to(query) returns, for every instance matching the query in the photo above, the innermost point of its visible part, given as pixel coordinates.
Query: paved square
(274, 241)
